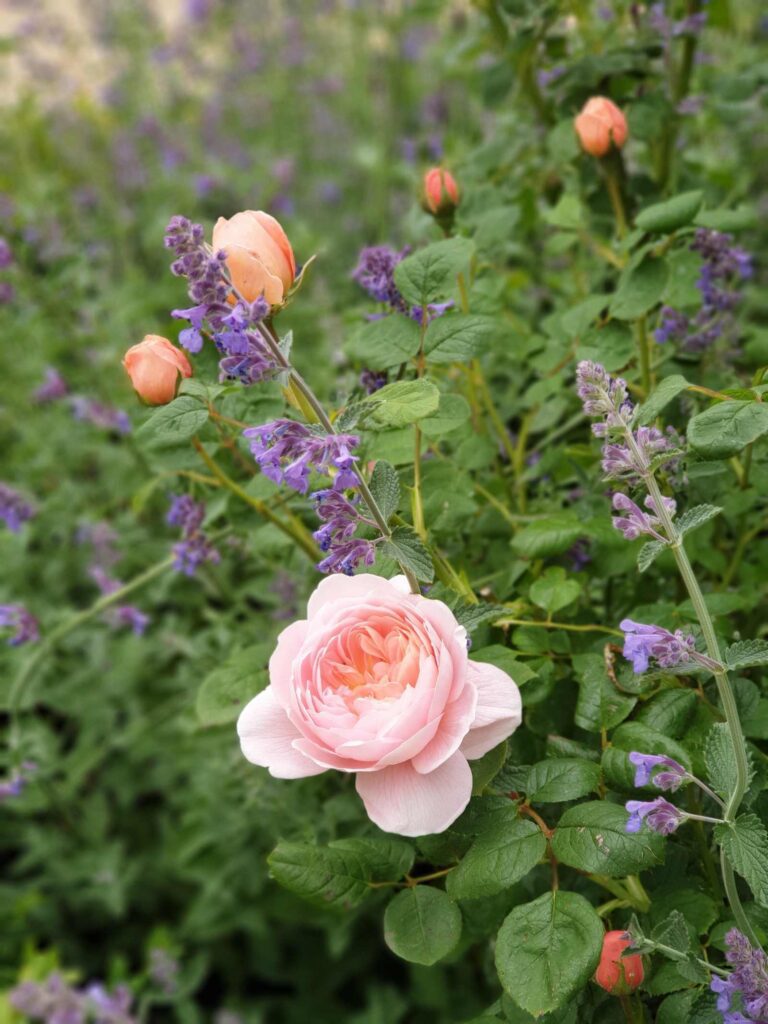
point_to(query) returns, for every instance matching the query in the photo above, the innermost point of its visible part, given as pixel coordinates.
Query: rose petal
(401, 800)
(267, 737)
(499, 709)
(454, 725)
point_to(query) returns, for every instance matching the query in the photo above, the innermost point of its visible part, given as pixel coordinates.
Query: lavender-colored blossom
(102, 538)
(602, 395)
(55, 1001)
(164, 970)
(547, 76)
(747, 983)
(7, 293)
(287, 452)
(99, 415)
(372, 381)
(186, 513)
(124, 616)
(660, 815)
(53, 388)
(194, 548)
(691, 105)
(348, 555)
(633, 522)
(375, 272)
(15, 510)
(25, 626)
(672, 326)
(14, 784)
(671, 778)
(434, 310)
(6, 256)
(629, 461)
(643, 642)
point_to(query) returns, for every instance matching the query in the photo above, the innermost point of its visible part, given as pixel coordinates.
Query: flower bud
(259, 256)
(617, 974)
(600, 125)
(441, 193)
(154, 366)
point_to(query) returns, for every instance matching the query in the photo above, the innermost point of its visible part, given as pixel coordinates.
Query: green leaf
(673, 932)
(559, 779)
(720, 761)
(593, 837)
(497, 859)
(721, 219)
(640, 289)
(385, 487)
(581, 316)
(381, 344)
(503, 658)
(485, 769)
(338, 875)
(747, 653)
(174, 423)
(671, 214)
(552, 591)
(430, 273)
(600, 705)
(648, 554)
(457, 338)
(667, 390)
(638, 736)
(550, 536)
(224, 692)
(696, 516)
(724, 429)
(422, 925)
(548, 949)
(669, 712)
(745, 842)
(567, 214)
(401, 403)
(452, 413)
(405, 546)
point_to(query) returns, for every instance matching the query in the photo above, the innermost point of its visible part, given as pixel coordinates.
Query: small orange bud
(259, 256)
(441, 193)
(600, 125)
(617, 974)
(154, 366)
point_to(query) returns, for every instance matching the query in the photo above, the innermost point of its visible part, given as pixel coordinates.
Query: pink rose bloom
(259, 256)
(155, 367)
(377, 681)
(600, 125)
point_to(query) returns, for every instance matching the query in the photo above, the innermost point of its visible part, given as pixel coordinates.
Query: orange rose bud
(615, 973)
(441, 193)
(155, 367)
(600, 125)
(259, 256)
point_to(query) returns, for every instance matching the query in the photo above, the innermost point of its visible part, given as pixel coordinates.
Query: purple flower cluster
(25, 626)
(55, 1001)
(672, 776)
(194, 548)
(691, 25)
(6, 259)
(287, 452)
(341, 516)
(102, 540)
(747, 982)
(104, 417)
(15, 510)
(164, 970)
(660, 815)
(723, 266)
(632, 522)
(235, 329)
(375, 273)
(14, 784)
(52, 389)
(371, 381)
(643, 642)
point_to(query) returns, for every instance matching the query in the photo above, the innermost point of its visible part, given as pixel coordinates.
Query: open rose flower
(377, 681)
(259, 256)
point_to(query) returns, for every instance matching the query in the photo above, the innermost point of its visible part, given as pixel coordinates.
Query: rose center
(375, 659)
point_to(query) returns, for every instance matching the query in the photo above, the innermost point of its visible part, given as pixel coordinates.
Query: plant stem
(644, 352)
(295, 529)
(614, 194)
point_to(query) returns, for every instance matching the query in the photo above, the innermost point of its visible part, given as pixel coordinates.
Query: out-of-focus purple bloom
(633, 522)
(347, 556)
(6, 256)
(375, 272)
(52, 389)
(25, 626)
(372, 381)
(287, 452)
(547, 76)
(194, 548)
(643, 642)
(434, 310)
(15, 510)
(579, 555)
(164, 970)
(99, 415)
(748, 982)
(673, 325)
(660, 815)
(671, 778)
(103, 539)
(14, 784)
(55, 1001)
(186, 513)
(690, 105)
(329, 192)
(124, 615)
(7, 293)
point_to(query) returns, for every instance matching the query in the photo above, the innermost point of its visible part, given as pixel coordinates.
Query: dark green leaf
(422, 925)
(458, 338)
(174, 423)
(385, 487)
(667, 390)
(405, 546)
(430, 273)
(401, 403)
(593, 837)
(550, 536)
(726, 428)
(745, 842)
(559, 779)
(640, 289)
(497, 859)
(672, 214)
(224, 692)
(747, 653)
(383, 343)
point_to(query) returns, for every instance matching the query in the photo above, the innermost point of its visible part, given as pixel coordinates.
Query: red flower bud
(154, 366)
(600, 125)
(615, 973)
(441, 193)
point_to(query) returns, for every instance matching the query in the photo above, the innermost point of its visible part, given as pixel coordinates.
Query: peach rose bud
(259, 256)
(155, 367)
(600, 125)
(617, 974)
(441, 193)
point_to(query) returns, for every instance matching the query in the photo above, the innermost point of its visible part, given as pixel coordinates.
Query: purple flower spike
(347, 556)
(643, 642)
(660, 815)
(748, 981)
(25, 626)
(14, 508)
(194, 548)
(288, 452)
(634, 522)
(671, 779)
